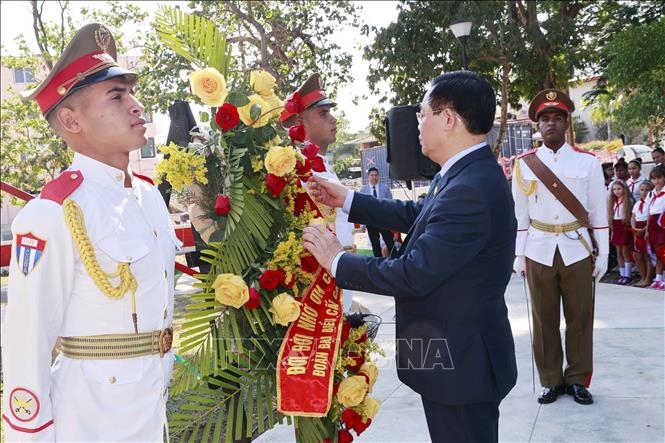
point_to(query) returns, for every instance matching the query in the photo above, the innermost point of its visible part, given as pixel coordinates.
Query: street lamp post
(461, 29)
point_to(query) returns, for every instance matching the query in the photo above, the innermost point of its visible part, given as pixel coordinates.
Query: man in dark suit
(378, 190)
(454, 342)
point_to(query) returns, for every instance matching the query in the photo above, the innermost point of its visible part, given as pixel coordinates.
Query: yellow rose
(285, 309)
(209, 85)
(280, 160)
(231, 290)
(352, 391)
(275, 105)
(371, 371)
(262, 82)
(371, 406)
(245, 112)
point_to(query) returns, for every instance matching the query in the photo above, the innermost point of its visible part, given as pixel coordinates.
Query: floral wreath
(239, 344)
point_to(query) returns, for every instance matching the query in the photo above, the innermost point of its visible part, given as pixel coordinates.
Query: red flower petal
(294, 105)
(317, 164)
(227, 116)
(275, 184)
(309, 264)
(303, 166)
(310, 150)
(270, 279)
(254, 299)
(360, 426)
(297, 133)
(346, 328)
(344, 436)
(350, 417)
(222, 205)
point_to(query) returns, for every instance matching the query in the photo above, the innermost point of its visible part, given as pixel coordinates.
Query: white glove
(519, 265)
(600, 268)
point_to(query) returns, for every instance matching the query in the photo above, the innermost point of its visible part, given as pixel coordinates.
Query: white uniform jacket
(343, 229)
(51, 295)
(580, 171)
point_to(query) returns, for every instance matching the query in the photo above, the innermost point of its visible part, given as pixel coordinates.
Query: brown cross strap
(562, 193)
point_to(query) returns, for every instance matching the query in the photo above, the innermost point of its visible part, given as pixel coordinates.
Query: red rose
(346, 328)
(303, 166)
(294, 105)
(359, 426)
(254, 299)
(310, 150)
(358, 360)
(297, 133)
(275, 184)
(227, 116)
(309, 264)
(344, 436)
(222, 205)
(362, 374)
(335, 389)
(317, 164)
(270, 279)
(350, 417)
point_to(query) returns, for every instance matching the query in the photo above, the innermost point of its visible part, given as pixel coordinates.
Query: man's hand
(600, 268)
(326, 192)
(519, 265)
(322, 244)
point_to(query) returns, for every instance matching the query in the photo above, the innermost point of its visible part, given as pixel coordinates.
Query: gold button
(74, 176)
(112, 380)
(62, 90)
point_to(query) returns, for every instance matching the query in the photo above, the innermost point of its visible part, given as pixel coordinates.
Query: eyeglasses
(421, 115)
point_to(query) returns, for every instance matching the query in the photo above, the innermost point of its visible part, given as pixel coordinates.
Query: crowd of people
(635, 204)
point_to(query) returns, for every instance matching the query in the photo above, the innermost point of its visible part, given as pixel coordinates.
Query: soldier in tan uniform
(92, 264)
(555, 250)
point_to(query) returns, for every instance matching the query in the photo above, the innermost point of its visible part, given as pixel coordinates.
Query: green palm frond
(194, 38)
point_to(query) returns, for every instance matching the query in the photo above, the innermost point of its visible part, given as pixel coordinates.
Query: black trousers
(373, 234)
(477, 422)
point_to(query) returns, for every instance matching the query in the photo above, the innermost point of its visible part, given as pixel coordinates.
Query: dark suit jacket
(454, 342)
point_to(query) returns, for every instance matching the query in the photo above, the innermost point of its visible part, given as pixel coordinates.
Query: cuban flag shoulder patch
(29, 249)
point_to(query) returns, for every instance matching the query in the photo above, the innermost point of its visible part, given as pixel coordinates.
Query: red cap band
(64, 80)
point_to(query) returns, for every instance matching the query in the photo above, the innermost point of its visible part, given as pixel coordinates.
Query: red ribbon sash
(306, 361)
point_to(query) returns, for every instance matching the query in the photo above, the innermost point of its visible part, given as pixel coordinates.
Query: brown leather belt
(118, 346)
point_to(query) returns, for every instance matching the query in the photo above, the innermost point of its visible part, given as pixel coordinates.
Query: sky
(16, 18)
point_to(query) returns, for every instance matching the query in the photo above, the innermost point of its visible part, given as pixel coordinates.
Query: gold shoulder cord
(520, 183)
(76, 224)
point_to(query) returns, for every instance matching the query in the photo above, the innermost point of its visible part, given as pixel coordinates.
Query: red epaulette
(533, 151)
(575, 148)
(62, 186)
(145, 178)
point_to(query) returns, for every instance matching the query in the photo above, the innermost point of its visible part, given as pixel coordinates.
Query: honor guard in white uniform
(321, 129)
(555, 249)
(92, 267)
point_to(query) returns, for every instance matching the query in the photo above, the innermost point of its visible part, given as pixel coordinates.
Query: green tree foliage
(288, 39)
(636, 69)
(520, 46)
(31, 152)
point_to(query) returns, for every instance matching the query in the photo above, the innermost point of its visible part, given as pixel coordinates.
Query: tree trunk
(505, 72)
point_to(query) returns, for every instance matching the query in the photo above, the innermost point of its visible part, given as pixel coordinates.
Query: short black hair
(659, 150)
(470, 95)
(372, 169)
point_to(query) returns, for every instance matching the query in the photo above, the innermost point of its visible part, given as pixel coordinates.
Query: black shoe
(580, 394)
(550, 394)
